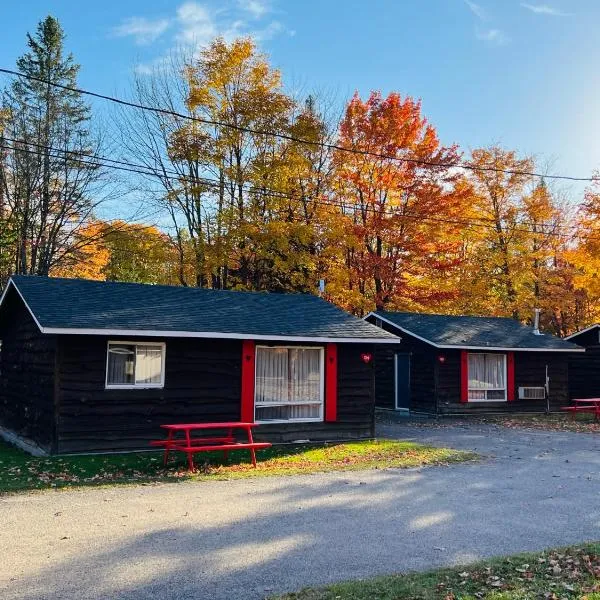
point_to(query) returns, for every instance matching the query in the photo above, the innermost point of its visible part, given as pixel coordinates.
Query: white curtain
(130, 364)
(148, 365)
(486, 372)
(288, 383)
(121, 364)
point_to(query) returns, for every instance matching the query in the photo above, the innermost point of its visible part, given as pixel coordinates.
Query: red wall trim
(331, 382)
(248, 375)
(464, 376)
(510, 376)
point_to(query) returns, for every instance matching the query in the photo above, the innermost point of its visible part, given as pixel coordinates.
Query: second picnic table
(590, 405)
(225, 443)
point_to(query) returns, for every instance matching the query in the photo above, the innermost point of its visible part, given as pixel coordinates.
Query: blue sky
(524, 74)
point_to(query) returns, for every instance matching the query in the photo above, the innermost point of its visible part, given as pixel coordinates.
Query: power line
(291, 138)
(98, 161)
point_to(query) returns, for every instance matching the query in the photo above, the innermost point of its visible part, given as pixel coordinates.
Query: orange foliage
(399, 226)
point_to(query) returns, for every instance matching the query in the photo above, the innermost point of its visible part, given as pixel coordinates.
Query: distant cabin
(94, 366)
(584, 369)
(461, 364)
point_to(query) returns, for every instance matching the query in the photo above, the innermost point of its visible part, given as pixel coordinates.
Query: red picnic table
(190, 444)
(590, 405)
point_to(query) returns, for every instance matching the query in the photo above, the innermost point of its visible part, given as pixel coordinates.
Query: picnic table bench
(589, 405)
(190, 445)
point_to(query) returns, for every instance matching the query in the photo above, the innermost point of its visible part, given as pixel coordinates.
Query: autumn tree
(399, 196)
(139, 253)
(584, 256)
(500, 180)
(242, 203)
(49, 175)
(91, 257)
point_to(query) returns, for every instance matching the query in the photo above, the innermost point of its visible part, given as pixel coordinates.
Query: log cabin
(463, 365)
(584, 369)
(90, 366)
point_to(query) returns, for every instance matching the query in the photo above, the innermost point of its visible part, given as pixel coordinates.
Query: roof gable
(77, 306)
(467, 332)
(583, 333)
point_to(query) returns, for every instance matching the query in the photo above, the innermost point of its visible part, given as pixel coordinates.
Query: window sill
(486, 401)
(134, 387)
(279, 421)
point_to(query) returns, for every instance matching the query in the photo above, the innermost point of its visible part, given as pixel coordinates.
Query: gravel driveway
(252, 538)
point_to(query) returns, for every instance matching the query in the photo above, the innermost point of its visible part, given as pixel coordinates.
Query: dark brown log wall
(584, 373)
(530, 371)
(422, 371)
(27, 365)
(202, 384)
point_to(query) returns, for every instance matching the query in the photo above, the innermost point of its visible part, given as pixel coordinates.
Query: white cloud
(476, 10)
(256, 8)
(142, 30)
(492, 36)
(544, 9)
(195, 24)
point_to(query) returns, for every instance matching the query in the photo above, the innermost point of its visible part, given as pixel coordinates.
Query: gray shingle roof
(99, 305)
(473, 332)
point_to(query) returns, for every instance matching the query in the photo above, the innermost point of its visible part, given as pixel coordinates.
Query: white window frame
(321, 416)
(505, 388)
(136, 386)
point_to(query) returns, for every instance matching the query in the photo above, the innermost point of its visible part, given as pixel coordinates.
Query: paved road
(249, 539)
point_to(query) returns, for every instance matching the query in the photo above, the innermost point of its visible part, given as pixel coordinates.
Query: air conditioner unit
(532, 393)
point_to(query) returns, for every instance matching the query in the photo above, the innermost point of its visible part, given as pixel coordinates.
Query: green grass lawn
(566, 573)
(19, 471)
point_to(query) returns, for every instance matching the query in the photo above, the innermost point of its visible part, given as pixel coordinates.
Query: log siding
(202, 384)
(436, 378)
(27, 376)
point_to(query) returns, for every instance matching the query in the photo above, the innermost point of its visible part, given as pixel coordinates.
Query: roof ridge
(161, 285)
(426, 314)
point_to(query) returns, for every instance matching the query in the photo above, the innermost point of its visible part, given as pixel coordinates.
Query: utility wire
(99, 162)
(291, 138)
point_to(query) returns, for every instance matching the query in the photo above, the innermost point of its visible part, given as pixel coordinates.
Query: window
(487, 377)
(131, 365)
(289, 384)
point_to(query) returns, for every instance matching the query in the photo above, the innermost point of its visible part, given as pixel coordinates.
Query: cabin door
(402, 372)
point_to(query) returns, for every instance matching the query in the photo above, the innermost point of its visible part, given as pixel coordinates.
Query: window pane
(290, 378)
(272, 375)
(148, 364)
(486, 371)
(494, 371)
(121, 364)
(287, 413)
(305, 375)
(496, 395)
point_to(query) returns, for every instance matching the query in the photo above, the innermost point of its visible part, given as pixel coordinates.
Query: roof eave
(582, 331)
(12, 283)
(215, 335)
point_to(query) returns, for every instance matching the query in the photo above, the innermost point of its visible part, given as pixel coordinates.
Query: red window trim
(331, 382)
(464, 376)
(510, 376)
(248, 375)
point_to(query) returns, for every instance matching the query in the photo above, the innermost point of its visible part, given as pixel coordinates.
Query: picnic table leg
(252, 451)
(226, 452)
(189, 454)
(190, 461)
(167, 447)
